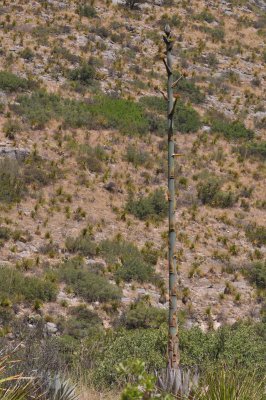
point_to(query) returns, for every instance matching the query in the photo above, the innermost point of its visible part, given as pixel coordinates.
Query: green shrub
(224, 199)
(104, 112)
(91, 157)
(15, 177)
(11, 128)
(25, 288)
(81, 323)
(12, 83)
(253, 150)
(130, 262)
(148, 345)
(186, 118)
(86, 284)
(239, 346)
(5, 233)
(217, 34)
(188, 90)
(12, 186)
(205, 15)
(209, 192)
(152, 206)
(84, 74)
(150, 254)
(256, 274)
(86, 10)
(232, 130)
(256, 234)
(83, 245)
(173, 20)
(63, 52)
(135, 270)
(27, 54)
(154, 103)
(208, 189)
(39, 172)
(137, 156)
(143, 315)
(125, 115)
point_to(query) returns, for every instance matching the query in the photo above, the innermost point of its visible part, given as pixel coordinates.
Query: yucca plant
(226, 384)
(13, 387)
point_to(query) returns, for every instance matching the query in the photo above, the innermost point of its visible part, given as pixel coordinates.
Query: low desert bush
(210, 192)
(81, 323)
(12, 83)
(256, 150)
(17, 287)
(153, 206)
(186, 118)
(83, 244)
(92, 157)
(143, 315)
(63, 53)
(11, 128)
(84, 74)
(256, 274)
(88, 285)
(129, 262)
(232, 130)
(188, 90)
(205, 15)
(27, 54)
(234, 346)
(256, 234)
(137, 156)
(104, 112)
(86, 10)
(12, 186)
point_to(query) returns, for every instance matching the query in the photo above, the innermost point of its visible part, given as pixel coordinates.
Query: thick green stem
(173, 345)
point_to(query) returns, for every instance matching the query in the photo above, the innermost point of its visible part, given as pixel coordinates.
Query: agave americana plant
(180, 382)
(57, 387)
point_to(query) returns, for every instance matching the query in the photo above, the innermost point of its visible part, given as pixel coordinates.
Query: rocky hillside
(83, 194)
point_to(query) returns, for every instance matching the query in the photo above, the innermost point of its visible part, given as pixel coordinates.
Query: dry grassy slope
(199, 232)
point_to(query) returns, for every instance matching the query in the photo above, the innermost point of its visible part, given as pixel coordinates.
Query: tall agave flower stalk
(173, 345)
(174, 379)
